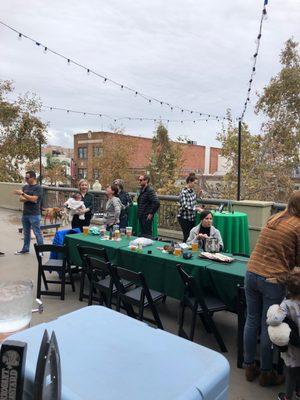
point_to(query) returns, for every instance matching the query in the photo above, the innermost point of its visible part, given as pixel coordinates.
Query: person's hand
(149, 217)
(81, 212)
(18, 192)
(202, 236)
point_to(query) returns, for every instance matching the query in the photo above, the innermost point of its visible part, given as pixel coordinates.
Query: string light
(129, 118)
(254, 58)
(148, 98)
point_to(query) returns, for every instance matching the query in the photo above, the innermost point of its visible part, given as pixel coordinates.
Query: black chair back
(98, 252)
(191, 288)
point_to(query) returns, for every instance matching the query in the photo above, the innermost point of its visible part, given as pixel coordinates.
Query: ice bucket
(16, 306)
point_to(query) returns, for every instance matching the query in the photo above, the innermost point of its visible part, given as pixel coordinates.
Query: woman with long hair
(88, 200)
(276, 253)
(113, 206)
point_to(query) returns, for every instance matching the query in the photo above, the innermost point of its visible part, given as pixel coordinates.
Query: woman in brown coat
(277, 252)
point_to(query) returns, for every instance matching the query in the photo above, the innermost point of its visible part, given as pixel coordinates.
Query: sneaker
(282, 396)
(19, 253)
(2, 254)
(251, 372)
(270, 378)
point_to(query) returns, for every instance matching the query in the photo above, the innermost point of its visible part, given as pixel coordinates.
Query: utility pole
(40, 151)
(238, 197)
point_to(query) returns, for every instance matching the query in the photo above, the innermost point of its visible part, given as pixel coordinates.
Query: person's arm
(117, 206)
(193, 236)
(153, 199)
(277, 317)
(129, 200)
(220, 240)
(89, 202)
(26, 197)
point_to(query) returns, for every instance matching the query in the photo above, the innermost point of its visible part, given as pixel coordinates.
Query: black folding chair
(83, 251)
(101, 281)
(202, 305)
(61, 266)
(142, 297)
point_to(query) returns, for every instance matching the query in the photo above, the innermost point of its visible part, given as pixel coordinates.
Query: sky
(190, 53)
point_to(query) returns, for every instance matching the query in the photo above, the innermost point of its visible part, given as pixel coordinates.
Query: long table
(106, 355)
(160, 268)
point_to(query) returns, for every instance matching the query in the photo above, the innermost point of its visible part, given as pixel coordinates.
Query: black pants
(80, 223)
(292, 382)
(186, 227)
(146, 227)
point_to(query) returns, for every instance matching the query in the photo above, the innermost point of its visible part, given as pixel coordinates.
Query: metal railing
(167, 213)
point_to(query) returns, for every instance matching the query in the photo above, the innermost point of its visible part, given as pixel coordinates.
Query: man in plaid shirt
(188, 208)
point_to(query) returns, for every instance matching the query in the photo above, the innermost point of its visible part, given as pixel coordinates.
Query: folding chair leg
(63, 285)
(241, 314)
(206, 326)
(71, 277)
(44, 280)
(193, 325)
(39, 283)
(216, 334)
(82, 280)
(90, 302)
(181, 332)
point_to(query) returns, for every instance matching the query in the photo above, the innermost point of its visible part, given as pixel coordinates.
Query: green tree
(55, 170)
(21, 131)
(270, 158)
(165, 161)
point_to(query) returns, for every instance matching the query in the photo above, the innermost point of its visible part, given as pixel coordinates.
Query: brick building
(87, 146)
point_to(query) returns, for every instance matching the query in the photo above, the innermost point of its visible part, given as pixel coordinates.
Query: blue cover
(107, 355)
(59, 240)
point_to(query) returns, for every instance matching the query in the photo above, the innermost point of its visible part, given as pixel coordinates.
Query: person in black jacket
(88, 200)
(148, 204)
(126, 201)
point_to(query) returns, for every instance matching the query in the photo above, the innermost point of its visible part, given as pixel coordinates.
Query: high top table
(106, 355)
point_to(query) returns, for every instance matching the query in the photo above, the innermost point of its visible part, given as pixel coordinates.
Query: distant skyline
(189, 53)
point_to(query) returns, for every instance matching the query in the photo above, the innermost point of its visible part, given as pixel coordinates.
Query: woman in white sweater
(205, 230)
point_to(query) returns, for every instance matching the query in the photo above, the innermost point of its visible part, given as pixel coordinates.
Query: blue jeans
(260, 295)
(31, 222)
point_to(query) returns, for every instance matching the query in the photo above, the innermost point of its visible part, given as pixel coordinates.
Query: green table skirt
(134, 222)
(234, 231)
(160, 268)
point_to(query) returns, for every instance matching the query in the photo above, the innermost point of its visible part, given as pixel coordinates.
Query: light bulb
(20, 36)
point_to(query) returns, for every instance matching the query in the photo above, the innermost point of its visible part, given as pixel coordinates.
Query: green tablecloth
(224, 279)
(234, 231)
(160, 268)
(134, 222)
(110, 246)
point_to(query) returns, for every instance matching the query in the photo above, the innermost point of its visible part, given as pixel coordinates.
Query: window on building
(82, 152)
(82, 173)
(96, 174)
(98, 151)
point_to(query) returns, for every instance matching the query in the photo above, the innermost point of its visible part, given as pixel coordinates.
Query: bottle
(110, 234)
(140, 248)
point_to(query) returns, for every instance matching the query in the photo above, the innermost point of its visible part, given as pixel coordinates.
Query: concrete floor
(25, 267)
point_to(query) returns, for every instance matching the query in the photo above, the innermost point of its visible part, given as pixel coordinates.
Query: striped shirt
(277, 250)
(187, 201)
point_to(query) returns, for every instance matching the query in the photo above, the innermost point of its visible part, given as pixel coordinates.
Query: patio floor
(25, 267)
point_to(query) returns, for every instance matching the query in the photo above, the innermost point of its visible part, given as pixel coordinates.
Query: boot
(251, 372)
(270, 378)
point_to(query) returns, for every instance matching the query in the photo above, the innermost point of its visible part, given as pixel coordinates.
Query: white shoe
(21, 252)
